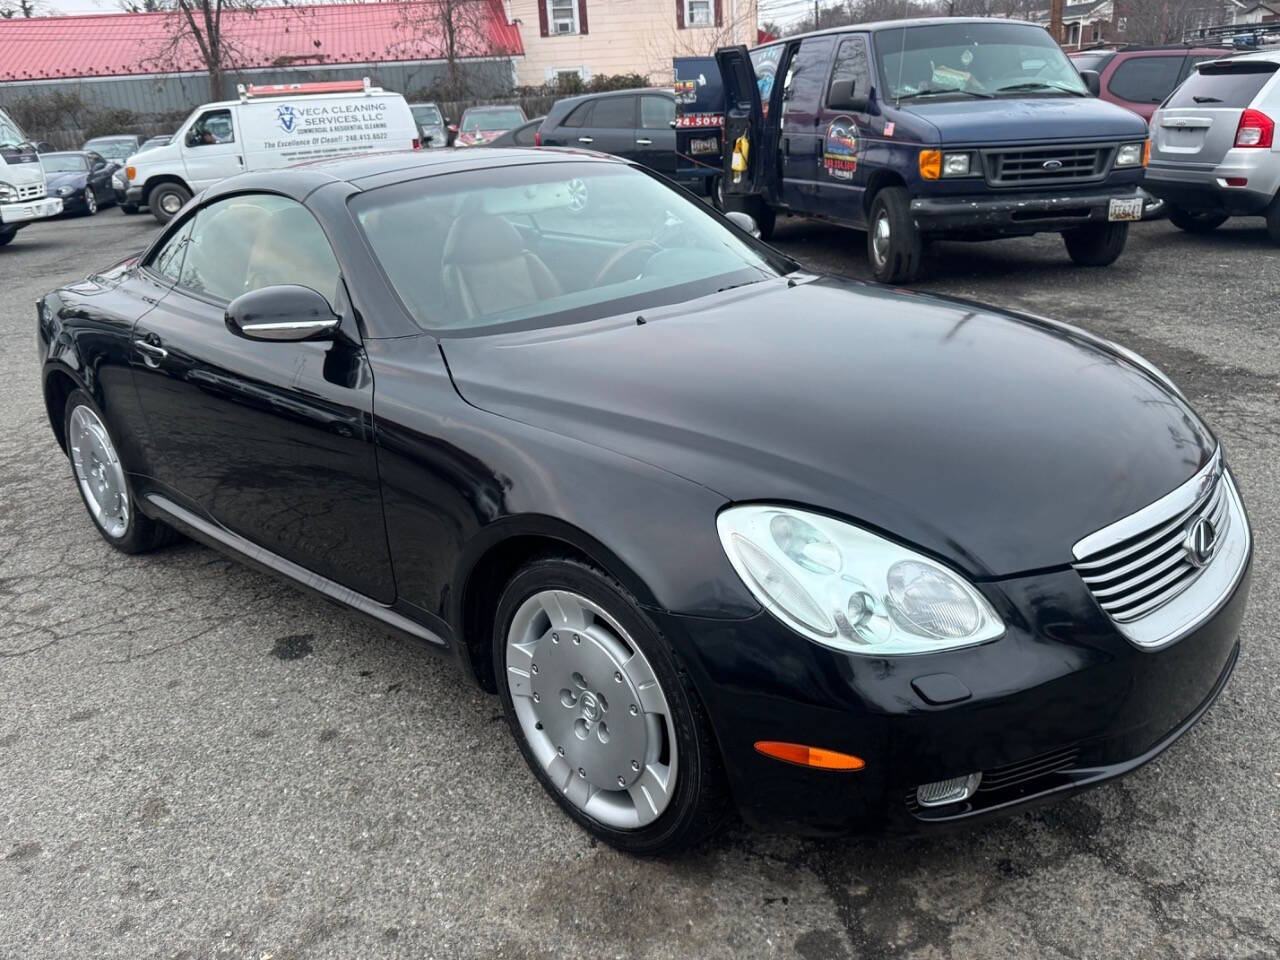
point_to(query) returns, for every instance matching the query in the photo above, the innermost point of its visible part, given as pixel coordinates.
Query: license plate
(704, 145)
(1125, 209)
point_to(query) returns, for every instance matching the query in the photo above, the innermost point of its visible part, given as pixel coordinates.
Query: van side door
(846, 127)
(211, 148)
(801, 132)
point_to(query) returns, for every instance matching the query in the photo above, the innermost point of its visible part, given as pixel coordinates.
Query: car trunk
(1198, 125)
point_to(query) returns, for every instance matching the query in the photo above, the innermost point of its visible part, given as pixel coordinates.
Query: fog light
(948, 791)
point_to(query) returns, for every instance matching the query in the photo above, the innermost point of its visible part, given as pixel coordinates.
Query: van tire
(895, 248)
(6, 236)
(1273, 220)
(1097, 245)
(170, 195)
(1195, 222)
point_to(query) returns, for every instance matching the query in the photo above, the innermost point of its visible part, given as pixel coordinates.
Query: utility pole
(816, 24)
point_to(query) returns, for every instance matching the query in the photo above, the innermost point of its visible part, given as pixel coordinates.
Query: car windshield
(984, 59)
(112, 149)
(474, 120)
(10, 136)
(552, 243)
(427, 116)
(63, 163)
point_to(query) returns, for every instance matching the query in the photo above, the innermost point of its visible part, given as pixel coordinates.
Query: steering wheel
(620, 257)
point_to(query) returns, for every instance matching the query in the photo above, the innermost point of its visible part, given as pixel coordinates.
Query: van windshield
(10, 135)
(951, 60)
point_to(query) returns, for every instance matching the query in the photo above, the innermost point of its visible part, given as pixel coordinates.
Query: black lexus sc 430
(718, 531)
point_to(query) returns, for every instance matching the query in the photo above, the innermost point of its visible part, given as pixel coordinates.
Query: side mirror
(1092, 81)
(744, 222)
(841, 97)
(282, 313)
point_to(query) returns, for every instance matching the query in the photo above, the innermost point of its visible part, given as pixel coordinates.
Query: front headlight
(63, 191)
(955, 164)
(7, 193)
(846, 588)
(1130, 155)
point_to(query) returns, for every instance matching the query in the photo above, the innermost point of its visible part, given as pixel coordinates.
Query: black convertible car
(82, 179)
(715, 529)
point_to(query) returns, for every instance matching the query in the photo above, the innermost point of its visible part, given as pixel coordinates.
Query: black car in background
(715, 529)
(81, 179)
(525, 135)
(633, 124)
(115, 147)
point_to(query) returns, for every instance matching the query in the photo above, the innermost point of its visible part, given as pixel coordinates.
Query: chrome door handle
(643, 141)
(586, 140)
(151, 349)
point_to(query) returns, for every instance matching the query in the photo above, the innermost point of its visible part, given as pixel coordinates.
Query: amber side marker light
(930, 162)
(804, 756)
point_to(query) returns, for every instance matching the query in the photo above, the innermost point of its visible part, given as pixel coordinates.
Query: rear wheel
(894, 245)
(90, 202)
(1097, 245)
(103, 482)
(604, 716)
(166, 200)
(1195, 222)
(1273, 220)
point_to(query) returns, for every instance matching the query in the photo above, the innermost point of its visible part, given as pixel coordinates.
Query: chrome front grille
(1046, 164)
(1148, 570)
(1162, 571)
(30, 191)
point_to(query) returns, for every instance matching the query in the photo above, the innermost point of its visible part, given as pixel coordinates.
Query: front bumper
(1020, 214)
(1060, 703)
(1205, 190)
(26, 211)
(134, 195)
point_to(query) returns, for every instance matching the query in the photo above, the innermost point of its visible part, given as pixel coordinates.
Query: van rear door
(743, 117)
(1198, 125)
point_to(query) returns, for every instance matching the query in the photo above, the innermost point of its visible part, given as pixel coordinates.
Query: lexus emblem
(1052, 164)
(1202, 540)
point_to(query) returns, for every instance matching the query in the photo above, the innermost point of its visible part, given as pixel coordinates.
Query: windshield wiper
(1206, 99)
(1040, 85)
(941, 91)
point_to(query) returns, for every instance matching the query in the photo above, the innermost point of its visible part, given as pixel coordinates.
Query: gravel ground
(199, 762)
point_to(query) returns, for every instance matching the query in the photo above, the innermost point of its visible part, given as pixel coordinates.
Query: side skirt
(238, 548)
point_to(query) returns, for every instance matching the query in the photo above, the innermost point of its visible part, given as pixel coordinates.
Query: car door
(100, 176)
(612, 126)
(656, 135)
(801, 123)
(846, 128)
(271, 440)
(211, 148)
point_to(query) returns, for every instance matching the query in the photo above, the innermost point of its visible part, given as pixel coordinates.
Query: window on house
(563, 16)
(698, 13)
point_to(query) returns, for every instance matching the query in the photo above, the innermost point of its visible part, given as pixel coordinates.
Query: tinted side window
(851, 64)
(1226, 86)
(523, 137)
(168, 261)
(1145, 79)
(656, 113)
(806, 77)
(579, 116)
(614, 113)
(249, 242)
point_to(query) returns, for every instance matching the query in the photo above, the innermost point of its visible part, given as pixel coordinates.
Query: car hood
(70, 178)
(991, 440)
(1005, 120)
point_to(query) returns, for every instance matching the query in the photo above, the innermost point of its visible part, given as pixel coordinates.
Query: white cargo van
(22, 188)
(269, 126)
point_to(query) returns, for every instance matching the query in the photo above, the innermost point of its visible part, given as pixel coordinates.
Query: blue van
(940, 128)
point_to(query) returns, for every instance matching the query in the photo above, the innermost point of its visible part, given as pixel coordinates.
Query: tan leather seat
(487, 269)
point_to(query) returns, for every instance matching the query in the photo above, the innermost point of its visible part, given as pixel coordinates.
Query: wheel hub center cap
(590, 707)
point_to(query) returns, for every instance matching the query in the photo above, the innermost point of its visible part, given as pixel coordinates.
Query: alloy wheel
(90, 201)
(99, 472)
(591, 709)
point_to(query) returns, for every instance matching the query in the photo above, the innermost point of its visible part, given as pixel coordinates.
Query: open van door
(743, 122)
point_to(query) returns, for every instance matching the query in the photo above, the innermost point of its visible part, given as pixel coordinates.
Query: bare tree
(448, 30)
(19, 9)
(666, 39)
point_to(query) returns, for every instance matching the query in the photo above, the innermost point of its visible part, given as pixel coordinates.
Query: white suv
(1214, 149)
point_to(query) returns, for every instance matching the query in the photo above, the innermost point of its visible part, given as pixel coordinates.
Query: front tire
(103, 481)
(1097, 245)
(90, 202)
(6, 236)
(894, 245)
(1195, 222)
(605, 717)
(166, 200)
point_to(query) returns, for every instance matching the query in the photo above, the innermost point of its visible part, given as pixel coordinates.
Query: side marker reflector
(805, 756)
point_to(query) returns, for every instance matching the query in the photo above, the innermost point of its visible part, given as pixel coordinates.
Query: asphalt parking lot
(199, 762)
